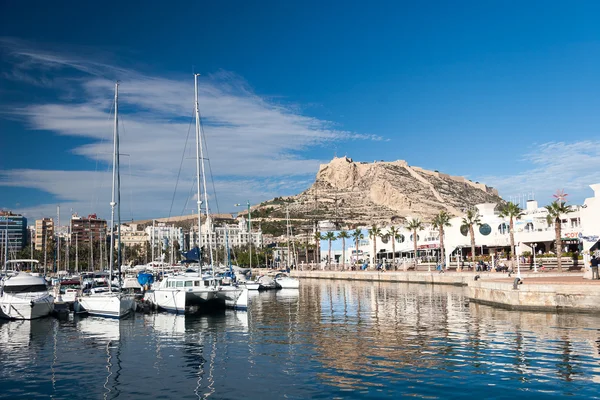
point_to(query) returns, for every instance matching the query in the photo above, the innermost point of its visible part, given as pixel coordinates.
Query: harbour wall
(492, 288)
(536, 296)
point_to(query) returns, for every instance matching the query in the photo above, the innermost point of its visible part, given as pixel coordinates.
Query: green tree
(441, 221)
(329, 236)
(415, 225)
(374, 233)
(511, 211)
(343, 234)
(555, 210)
(470, 219)
(357, 235)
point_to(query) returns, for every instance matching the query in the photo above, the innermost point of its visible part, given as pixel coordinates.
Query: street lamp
(534, 263)
(249, 230)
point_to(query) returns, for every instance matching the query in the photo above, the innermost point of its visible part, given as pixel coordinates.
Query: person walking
(594, 264)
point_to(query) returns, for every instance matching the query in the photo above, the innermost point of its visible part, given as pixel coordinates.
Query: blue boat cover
(191, 256)
(145, 279)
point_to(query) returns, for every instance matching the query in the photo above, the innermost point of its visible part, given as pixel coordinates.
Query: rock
(359, 193)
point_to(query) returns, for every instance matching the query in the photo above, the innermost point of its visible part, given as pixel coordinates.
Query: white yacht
(25, 296)
(286, 282)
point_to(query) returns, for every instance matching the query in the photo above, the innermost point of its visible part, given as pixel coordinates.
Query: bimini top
(23, 283)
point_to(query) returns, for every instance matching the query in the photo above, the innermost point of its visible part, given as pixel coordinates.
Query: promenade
(541, 291)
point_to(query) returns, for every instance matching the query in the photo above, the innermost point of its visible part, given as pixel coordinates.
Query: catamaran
(197, 292)
(111, 303)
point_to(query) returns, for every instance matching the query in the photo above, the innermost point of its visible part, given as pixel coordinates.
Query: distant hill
(359, 193)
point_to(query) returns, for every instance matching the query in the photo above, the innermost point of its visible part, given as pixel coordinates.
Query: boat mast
(114, 179)
(198, 155)
(118, 157)
(287, 219)
(201, 173)
(249, 234)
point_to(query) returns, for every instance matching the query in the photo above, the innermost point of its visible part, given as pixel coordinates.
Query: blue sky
(502, 92)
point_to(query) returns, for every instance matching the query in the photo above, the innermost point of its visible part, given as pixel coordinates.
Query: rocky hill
(359, 193)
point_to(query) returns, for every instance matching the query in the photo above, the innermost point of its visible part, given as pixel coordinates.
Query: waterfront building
(13, 229)
(162, 236)
(44, 229)
(132, 235)
(87, 229)
(580, 234)
(214, 231)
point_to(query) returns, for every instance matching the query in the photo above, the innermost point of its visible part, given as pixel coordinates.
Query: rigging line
(129, 168)
(96, 189)
(187, 199)
(181, 165)
(203, 137)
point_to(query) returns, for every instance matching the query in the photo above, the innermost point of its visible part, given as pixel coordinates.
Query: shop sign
(590, 238)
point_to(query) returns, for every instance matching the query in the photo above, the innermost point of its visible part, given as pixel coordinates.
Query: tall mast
(198, 155)
(201, 174)
(117, 155)
(57, 238)
(250, 233)
(76, 255)
(287, 219)
(114, 181)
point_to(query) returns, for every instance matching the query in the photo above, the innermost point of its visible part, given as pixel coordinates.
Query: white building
(235, 234)
(580, 232)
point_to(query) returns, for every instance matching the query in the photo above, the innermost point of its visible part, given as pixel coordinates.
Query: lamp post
(249, 230)
(534, 263)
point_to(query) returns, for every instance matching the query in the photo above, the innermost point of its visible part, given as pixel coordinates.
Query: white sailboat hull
(234, 297)
(184, 301)
(27, 306)
(112, 305)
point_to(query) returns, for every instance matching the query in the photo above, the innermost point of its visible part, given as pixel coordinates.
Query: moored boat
(286, 282)
(25, 296)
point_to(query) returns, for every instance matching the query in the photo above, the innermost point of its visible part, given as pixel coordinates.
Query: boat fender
(517, 282)
(31, 303)
(477, 277)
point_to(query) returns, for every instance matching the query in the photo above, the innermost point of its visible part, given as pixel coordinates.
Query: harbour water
(329, 339)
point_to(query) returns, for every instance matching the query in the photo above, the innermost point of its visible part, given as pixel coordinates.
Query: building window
(464, 230)
(485, 229)
(503, 228)
(418, 238)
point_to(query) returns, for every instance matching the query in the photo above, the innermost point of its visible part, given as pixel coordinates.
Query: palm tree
(374, 233)
(343, 235)
(357, 235)
(415, 225)
(511, 211)
(329, 236)
(471, 218)
(394, 234)
(318, 237)
(440, 221)
(555, 210)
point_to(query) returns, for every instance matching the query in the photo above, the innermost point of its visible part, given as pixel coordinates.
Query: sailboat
(190, 293)
(112, 303)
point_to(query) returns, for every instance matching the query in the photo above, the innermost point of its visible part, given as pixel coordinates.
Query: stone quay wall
(536, 296)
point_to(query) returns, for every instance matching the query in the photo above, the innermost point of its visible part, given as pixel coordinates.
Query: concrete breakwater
(540, 292)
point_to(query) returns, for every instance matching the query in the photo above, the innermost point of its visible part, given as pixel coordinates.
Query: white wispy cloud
(255, 145)
(571, 166)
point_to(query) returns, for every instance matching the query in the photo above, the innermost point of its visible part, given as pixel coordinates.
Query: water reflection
(328, 339)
